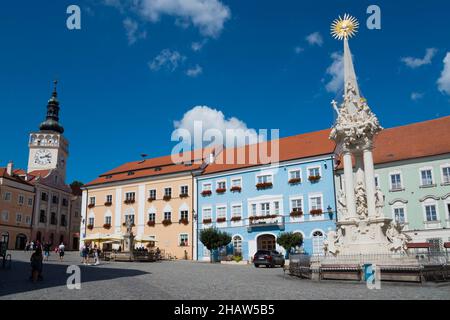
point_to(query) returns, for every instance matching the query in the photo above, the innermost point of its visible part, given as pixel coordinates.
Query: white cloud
(208, 16)
(444, 80)
(417, 62)
(315, 39)
(132, 31)
(166, 59)
(298, 50)
(213, 119)
(197, 46)
(194, 71)
(336, 71)
(416, 96)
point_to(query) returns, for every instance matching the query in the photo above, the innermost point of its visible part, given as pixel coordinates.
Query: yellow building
(16, 209)
(155, 194)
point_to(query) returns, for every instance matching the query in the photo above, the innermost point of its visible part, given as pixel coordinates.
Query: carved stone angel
(398, 240)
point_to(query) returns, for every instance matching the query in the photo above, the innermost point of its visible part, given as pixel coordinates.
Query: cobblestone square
(185, 280)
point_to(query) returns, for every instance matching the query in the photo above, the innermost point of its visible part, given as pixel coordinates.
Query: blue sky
(118, 99)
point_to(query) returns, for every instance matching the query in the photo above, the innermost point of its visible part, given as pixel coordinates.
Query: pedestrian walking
(96, 255)
(36, 265)
(46, 251)
(61, 249)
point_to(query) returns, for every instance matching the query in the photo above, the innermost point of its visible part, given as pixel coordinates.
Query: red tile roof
(14, 176)
(295, 147)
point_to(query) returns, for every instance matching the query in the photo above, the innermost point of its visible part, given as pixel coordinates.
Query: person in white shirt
(61, 251)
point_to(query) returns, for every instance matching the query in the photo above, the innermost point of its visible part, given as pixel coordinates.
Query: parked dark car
(268, 258)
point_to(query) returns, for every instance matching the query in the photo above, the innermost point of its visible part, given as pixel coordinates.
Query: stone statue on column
(379, 202)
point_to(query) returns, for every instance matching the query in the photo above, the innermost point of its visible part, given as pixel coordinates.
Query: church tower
(48, 149)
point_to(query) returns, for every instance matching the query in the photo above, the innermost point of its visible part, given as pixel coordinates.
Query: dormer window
(130, 173)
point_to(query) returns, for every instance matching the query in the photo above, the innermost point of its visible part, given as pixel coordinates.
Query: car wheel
(256, 265)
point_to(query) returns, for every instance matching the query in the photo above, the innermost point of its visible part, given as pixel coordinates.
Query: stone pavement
(190, 280)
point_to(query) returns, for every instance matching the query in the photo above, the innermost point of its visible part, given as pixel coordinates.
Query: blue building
(254, 202)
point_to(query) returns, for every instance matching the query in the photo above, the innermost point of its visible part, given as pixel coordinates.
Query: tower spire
(51, 122)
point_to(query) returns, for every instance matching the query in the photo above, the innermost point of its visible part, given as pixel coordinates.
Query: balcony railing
(276, 221)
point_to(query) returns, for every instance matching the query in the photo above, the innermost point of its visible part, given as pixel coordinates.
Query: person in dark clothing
(36, 265)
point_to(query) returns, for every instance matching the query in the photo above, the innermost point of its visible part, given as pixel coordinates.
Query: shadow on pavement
(16, 279)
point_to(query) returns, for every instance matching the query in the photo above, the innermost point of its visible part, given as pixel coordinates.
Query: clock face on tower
(43, 157)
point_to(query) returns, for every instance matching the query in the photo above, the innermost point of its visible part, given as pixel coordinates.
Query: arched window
(317, 242)
(237, 245)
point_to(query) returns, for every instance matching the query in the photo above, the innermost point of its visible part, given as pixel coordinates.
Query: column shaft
(370, 182)
(349, 186)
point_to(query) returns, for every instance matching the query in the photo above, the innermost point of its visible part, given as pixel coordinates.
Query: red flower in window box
(150, 199)
(221, 190)
(91, 205)
(207, 221)
(166, 222)
(107, 226)
(264, 185)
(129, 201)
(222, 219)
(236, 218)
(296, 213)
(316, 212)
(206, 193)
(183, 244)
(253, 218)
(236, 189)
(314, 178)
(125, 224)
(184, 195)
(108, 204)
(167, 198)
(295, 180)
(151, 223)
(184, 221)
(90, 226)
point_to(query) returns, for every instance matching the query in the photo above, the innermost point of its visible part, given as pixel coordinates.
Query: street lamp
(330, 212)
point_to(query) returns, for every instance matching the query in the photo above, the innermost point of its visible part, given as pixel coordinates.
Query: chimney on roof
(9, 168)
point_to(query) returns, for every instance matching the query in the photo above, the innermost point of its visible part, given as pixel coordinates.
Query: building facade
(156, 195)
(255, 202)
(16, 209)
(414, 177)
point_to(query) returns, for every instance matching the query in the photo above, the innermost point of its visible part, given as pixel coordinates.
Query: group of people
(37, 258)
(90, 251)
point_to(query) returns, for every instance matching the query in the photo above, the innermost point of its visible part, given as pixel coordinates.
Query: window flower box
(91, 205)
(90, 226)
(295, 180)
(151, 223)
(184, 195)
(236, 218)
(296, 213)
(183, 244)
(206, 221)
(166, 222)
(150, 199)
(235, 189)
(125, 224)
(130, 201)
(184, 221)
(221, 220)
(107, 226)
(167, 198)
(314, 178)
(221, 190)
(206, 193)
(255, 218)
(316, 212)
(264, 185)
(108, 204)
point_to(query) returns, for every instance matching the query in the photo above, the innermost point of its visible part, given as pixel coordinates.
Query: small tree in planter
(289, 240)
(213, 239)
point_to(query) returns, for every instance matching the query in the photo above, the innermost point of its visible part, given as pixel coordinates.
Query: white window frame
(236, 179)
(168, 188)
(130, 193)
(210, 213)
(377, 179)
(150, 193)
(109, 195)
(291, 208)
(392, 173)
(237, 204)
(295, 170)
(90, 200)
(206, 184)
(221, 181)
(400, 206)
(432, 223)
(184, 186)
(18, 217)
(19, 198)
(263, 199)
(433, 181)
(106, 219)
(7, 196)
(442, 167)
(187, 238)
(27, 219)
(221, 206)
(151, 213)
(264, 174)
(314, 167)
(319, 216)
(5, 215)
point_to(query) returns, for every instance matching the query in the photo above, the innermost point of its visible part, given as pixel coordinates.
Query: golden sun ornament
(344, 28)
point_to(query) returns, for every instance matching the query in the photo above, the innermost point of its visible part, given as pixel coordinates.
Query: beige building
(16, 209)
(156, 195)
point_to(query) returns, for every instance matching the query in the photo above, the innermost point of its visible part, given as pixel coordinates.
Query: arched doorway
(237, 245)
(21, 241)
(266, 242)
(38, 236)
(317, 242)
